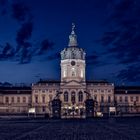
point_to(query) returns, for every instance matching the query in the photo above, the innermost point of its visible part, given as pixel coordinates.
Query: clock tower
(73, 61)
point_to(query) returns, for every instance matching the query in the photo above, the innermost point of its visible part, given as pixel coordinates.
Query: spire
(73, 37)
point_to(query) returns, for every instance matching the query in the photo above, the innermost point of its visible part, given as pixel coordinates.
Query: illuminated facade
(73, 84)
(73, 87)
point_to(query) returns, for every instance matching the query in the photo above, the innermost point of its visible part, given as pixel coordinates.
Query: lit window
(73, 72)
(64, 73)
(82, 75)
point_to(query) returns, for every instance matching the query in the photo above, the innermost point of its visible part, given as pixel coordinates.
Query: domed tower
(73, 61)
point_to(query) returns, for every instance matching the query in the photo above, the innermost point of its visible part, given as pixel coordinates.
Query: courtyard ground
(93, 129)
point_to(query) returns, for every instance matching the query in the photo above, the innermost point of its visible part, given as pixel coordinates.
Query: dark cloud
(24, 33)
(25, 56)
(131, 73)
(124, 37)
(20, 12)
(7, 52)
(45, 46)
(23, 45)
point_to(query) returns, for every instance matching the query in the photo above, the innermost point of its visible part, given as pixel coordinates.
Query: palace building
(73, 91)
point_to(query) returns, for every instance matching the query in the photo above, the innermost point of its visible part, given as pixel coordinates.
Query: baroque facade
(74, 89)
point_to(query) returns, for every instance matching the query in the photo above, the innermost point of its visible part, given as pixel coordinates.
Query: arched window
(102, 98)
(66, 96)
(82, 74)
(73, 72)
(73, 97)
(80, 96)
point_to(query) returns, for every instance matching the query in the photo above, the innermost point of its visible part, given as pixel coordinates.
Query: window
(43, 91)
(82, 75)
(95, 90)
(95, 97)
(43, 109)
(7, 99)
(36, 91)
(65, 96)
(73, 72)
(73, 97)
(80, 96)
(43, 99)
(64, 73)
(131, 98)
(120, 98)
(12, 100)
(29, 99)
(24, 99)
(126, 99)
(109, 90)
(102, 98)
(36, 99)
(137, 98)
(109, 99)
(50, 97)
(18, 99)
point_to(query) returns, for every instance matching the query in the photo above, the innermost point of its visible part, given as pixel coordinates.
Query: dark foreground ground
(94, 129)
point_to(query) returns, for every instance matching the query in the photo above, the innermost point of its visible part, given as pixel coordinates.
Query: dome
(73, 51)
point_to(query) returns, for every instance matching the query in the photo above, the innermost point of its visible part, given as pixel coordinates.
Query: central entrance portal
(73, 112)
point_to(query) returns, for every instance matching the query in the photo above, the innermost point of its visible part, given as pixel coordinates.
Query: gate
(56, 108)
(89, 104)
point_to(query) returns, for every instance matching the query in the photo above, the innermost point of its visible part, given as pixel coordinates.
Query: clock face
(72, 63)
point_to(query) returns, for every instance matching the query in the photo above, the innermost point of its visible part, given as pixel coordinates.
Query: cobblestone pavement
(95, 129)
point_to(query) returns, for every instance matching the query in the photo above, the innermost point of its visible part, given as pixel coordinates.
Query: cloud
(20, 12)
(23, 44)
(6, 52)
(45, 46)
(131, 73)
(122, 40)
(24, 33)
